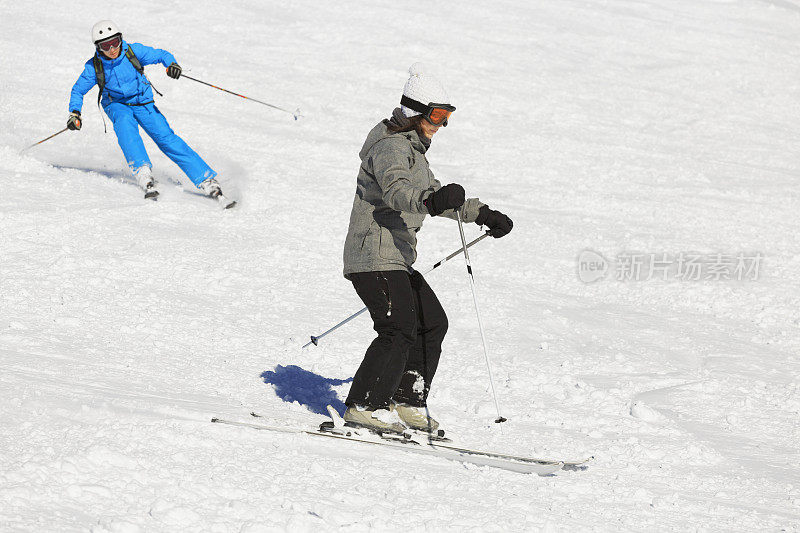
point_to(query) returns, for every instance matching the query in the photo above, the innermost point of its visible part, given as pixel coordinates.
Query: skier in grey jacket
(396, 190)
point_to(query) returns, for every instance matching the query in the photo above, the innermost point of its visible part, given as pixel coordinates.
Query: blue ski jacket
(123, 83)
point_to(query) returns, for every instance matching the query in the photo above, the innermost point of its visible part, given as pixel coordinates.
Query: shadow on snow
(126, 177)
(293, 384)
(116, 175)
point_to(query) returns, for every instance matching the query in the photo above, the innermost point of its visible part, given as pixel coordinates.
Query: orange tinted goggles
(436, 114)
(439, 115)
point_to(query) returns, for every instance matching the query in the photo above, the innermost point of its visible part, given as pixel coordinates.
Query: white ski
(525, 465)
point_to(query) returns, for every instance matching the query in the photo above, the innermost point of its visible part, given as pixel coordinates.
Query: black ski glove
(498, 223)
(74, 120)
(174, 71)
(451, 196)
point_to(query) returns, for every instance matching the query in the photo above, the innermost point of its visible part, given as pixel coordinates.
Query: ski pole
(500, 418)
(315, 339)
(295, 114)
(43, 140)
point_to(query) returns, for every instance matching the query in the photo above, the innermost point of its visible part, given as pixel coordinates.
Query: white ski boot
(211, 188)
(378, 420)
(144, 177)
(416, 417)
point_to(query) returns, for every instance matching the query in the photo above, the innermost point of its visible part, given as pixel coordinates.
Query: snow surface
(617, 126)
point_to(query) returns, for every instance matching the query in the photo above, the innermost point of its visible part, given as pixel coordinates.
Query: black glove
(451, 196)
(74, 120)
(174, 71)
(498, 224)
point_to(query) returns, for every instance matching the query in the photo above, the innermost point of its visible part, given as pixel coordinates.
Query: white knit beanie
(423, 87)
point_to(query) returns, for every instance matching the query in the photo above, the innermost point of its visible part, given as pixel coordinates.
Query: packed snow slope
(621, 127)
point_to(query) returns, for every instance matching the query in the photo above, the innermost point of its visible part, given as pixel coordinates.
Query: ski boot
(419, 422)
(376, 420)
(211, 188)
(144, 177)
(416, 417)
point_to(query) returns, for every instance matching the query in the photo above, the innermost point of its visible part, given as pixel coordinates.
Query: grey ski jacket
(388, 210)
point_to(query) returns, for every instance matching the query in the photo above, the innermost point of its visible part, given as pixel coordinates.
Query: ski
(420, 437)
(336, 422)
(338, 425)
(525, 465)
(408, 435)
(576, 463)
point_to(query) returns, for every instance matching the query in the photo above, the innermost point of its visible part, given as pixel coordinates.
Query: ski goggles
(436, 114)
(115, 41)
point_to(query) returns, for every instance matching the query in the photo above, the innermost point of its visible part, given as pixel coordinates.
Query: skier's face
(111, 47)
(113, 53)
(428, 129)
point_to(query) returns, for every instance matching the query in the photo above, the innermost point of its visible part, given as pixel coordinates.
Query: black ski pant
(400, 363)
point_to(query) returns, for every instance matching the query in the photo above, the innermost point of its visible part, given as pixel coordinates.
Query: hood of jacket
(381, 131)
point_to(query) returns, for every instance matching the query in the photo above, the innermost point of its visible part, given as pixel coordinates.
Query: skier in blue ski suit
(127, 99)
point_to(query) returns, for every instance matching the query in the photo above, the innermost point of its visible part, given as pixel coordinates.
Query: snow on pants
(127, 120)
(400, 363)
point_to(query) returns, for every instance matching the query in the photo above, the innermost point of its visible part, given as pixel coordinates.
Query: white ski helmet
(103, 30)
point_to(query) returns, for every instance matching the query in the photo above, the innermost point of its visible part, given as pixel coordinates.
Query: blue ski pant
(127, 119)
